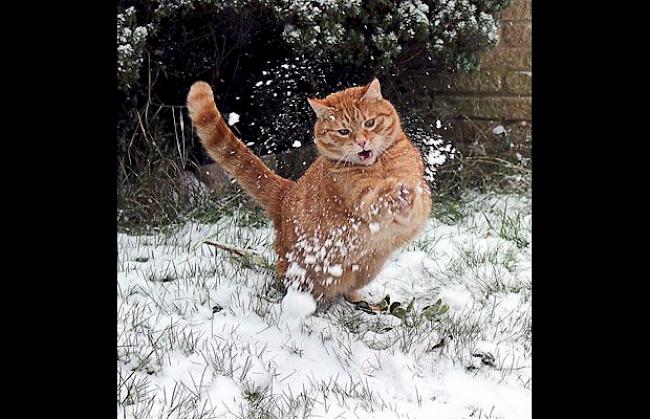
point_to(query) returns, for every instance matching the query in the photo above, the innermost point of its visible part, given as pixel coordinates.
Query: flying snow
(233, 118)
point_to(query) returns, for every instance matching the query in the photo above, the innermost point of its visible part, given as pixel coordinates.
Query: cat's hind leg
(362, 276)
(353, 296)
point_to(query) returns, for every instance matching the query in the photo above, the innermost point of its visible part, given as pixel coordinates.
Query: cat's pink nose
(361, 141)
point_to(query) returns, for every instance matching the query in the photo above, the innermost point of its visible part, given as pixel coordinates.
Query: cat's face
(355, 125)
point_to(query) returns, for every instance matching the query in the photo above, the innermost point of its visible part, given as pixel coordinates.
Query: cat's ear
(373, 93)
(319, 107)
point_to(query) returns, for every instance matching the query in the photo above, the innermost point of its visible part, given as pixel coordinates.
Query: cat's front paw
(404, 199)
(388, 200)
(377, 204)
(398, 203)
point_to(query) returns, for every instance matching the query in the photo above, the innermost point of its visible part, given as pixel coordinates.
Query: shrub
(165, 45)
(381, 34)
(263, 59)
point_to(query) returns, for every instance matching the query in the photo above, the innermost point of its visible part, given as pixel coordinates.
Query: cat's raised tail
(224, 147)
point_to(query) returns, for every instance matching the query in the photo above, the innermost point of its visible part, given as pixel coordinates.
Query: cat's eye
(370, 123)
(344, 131)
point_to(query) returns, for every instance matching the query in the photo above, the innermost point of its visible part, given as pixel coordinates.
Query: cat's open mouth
(365, 155)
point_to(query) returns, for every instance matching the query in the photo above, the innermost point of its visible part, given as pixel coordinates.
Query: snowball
(233, 118)
(310, 259)
(374, 227)
(498, 130)
(297, 305)
(335, 270)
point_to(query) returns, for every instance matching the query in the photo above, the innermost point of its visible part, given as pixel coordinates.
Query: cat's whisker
(385, 150)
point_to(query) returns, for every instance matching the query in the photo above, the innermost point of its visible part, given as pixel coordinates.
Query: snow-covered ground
(204, 334)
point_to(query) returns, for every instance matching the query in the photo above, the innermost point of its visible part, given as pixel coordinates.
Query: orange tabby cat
(364, 197)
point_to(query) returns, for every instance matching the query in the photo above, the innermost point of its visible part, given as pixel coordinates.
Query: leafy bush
(165, 45)
(381, 34)
(263, 59)
(386, 34)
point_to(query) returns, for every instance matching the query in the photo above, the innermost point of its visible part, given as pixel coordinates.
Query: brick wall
(499, 92)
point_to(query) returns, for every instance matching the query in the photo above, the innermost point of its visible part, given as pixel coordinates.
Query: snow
(233, 118)
(225, 395)
(297, 305)
(296, 144)
(335, 270)
(374, 227)
(215, 340)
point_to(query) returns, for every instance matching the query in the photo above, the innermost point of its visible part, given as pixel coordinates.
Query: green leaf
(399, 312)
(410, 306)
(394, 306)
(430, 313)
